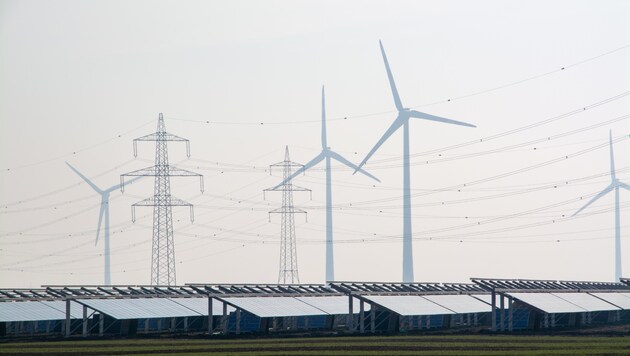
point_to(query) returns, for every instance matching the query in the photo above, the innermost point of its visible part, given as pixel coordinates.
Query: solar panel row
(409, 305)
(36, 310)
(573, 302)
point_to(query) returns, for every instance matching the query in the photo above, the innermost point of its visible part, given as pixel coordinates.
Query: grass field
(360, 345)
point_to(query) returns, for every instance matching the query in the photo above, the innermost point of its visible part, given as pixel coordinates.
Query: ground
(481, 344)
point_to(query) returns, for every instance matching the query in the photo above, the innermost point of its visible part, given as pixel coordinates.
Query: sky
(544, 82)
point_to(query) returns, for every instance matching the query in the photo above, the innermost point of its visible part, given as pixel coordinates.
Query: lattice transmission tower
(288, 246)
(163, 246)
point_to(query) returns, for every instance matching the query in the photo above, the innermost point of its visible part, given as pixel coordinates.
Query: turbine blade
(421, 115)
(392, 85)
(100, 219)
(612, 157)
(599, 195)
(623, 185)
(324, 141)
(341, 159)
(400, 120)
(85, 179)
(302, 169)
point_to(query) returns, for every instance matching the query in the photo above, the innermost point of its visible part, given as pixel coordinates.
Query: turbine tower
(615, 184)
(103, 214)
(288, 246)
(404, 114)
(328, 155)
(163, 245)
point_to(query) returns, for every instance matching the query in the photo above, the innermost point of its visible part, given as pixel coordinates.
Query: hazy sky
(242, 79)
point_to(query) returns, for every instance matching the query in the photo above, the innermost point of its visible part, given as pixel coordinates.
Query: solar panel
(333, 305)
(487, 298)
(76, 309)
(547, 302)
(139, 308)
(200, 305)
(618, 299)
(274, 306)
(28, 311)
(409, 305)
(460, 303)
(586, 301)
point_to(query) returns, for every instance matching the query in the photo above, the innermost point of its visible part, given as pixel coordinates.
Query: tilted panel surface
(586, 301)
(487, 298)
(409, 305)
(28, 311)
(460, 303)
(140, 308)
(200, 305)
(618, 299)
(274, 306)
(76, 309)
(547, 302)
(334, 305)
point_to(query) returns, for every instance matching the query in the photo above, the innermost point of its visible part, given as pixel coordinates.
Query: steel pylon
(163, 244)
(288, 246)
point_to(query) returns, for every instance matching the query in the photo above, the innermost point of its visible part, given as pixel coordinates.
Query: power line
(443, 101)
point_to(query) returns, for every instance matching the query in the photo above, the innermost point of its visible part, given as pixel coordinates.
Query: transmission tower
(163, 247)
(288, 247)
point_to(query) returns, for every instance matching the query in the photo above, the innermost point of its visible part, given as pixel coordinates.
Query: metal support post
(350, 314)
(101, 324)
(493, 315)
(238, 321)
(210, 319)
(510, 314)
(553, 320)
(85, 322)
(362, 316)
(372, 319)
(68, 326)
(502, 316)
(224, 319)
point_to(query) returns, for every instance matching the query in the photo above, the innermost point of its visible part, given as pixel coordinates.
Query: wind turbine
(104, 212)
(328, 155)
(404, 114)
(615, 184)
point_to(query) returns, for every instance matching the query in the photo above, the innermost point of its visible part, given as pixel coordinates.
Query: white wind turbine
(615, 184)
(328, 155)
(103, 214)
(404, 114)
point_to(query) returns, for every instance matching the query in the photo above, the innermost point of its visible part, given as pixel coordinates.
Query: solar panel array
(35, 311)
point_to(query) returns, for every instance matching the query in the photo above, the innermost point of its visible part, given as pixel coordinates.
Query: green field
(360, 345)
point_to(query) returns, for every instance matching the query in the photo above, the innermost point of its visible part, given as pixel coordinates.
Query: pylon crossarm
(287, 210)
(160, 137)
(172, 201)
(283, 188)
(178, 172)
(285, 164)
(152, 171)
